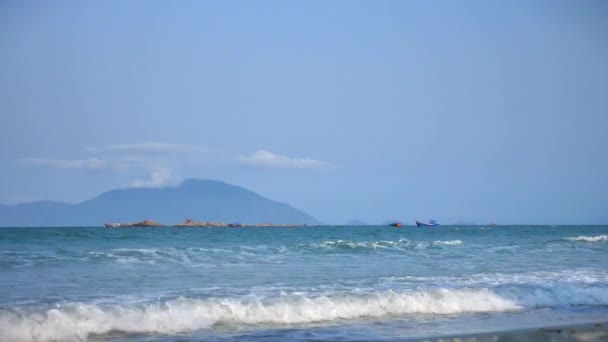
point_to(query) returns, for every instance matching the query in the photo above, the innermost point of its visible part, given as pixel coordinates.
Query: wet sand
(580, 332)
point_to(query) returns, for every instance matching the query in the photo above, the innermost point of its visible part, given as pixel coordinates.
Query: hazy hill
(195, 199)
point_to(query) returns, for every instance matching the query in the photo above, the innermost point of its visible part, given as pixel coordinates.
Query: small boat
(395, 224)
(234, 225)
(432, 223)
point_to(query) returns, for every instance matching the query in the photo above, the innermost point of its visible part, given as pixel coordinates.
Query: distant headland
(214, 200)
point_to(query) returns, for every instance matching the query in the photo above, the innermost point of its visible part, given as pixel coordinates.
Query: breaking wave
(595, 238)
(80, 320)
(537, 278)
(448, 243)
(398, 245)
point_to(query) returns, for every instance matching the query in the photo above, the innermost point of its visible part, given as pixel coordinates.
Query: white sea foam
(193, 256)
(595, 238)
(537, 278)
(348, 244)
(401, 244)
(78, 321)
(448, 243)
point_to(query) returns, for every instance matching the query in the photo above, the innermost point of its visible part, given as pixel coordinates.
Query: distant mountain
(206, 200)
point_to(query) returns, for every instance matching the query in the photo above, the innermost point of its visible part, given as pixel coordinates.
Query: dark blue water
(313, 283)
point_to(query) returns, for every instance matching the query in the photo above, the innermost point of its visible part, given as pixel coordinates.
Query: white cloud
(146, 155)
(158, 178)
(159, 159)
(148, 147)
(262, 158)
(88, 164)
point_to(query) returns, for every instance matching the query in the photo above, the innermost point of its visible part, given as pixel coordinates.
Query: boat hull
(422, 224)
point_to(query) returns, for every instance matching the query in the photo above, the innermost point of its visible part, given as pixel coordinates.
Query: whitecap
(448, 243)
(397, 245)
(595, 238)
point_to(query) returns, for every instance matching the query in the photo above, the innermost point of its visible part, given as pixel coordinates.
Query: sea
(328, 283)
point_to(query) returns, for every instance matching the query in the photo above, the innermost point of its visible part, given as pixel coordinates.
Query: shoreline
(592, 331)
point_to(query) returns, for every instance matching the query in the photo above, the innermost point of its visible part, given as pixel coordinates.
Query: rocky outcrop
(190, 223)
(144, 223)
(197, 224)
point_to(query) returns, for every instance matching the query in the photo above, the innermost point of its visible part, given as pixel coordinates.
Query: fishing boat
(234, 225)
(395, 224)
(432, 223)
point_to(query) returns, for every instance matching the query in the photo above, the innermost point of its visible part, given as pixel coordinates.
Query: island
(188, 223)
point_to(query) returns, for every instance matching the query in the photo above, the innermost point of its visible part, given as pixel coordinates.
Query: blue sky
(484, 111)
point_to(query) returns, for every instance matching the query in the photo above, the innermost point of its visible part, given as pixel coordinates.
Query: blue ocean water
(308, 283)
